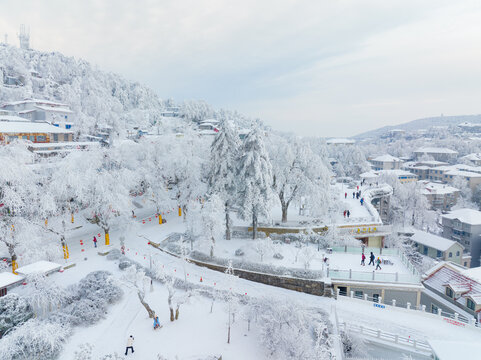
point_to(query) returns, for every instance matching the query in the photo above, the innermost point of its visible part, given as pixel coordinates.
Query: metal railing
(395, 339)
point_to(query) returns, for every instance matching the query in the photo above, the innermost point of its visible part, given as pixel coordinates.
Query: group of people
(372, 260)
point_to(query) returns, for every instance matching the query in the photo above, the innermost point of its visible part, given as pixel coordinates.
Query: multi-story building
(438, 154)
(36, 110)
(474, 158)
(464, 226)
(439, 248)
(386, 162)
(440, 196)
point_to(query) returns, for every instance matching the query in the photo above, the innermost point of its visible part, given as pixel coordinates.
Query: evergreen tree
(255, 179)
(223, 161)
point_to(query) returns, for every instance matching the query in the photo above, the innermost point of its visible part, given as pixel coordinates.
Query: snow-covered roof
(448, 273)
(434, 150)
(368, 175)
(436, 188)
(386, 158)
(54, 109)
(462, 173)
(8, 279)
(431, 240)
(16, 127)
(467, 216)
(433, 163)
(397, 172)
(40, 267)
(476, 298)
(13, 118)
(473, 273)
(34, 101)
(472, 157)
(340, 141)
(63, 144)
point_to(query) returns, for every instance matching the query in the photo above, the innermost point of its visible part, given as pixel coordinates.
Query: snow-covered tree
(255, 179)
(298, 172)
(230, 298)
(263, 247)
(139, 282)
(212, 223)
(14, 310)
(223, 163)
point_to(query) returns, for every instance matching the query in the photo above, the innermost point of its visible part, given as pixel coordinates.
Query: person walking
(348, 214)
(95, 241)
(353, 194)
(363, 259)
(378, 264)
(344, 213)
(130, 345)
(345, 195)
(371, 259)
(358, 187)
(156, 323)
(362, 201)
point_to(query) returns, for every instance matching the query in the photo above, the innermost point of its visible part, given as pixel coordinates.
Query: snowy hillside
(423, 123)
(95, 96)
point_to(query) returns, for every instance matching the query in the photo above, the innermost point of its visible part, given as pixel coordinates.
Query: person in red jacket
(95, 241)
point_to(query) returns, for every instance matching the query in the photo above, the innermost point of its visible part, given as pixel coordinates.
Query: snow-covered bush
(353, 345)
(114, 254)
(35, 339)
(14, 310)
(84, 352)
(89, 299)
(44, 295)
(239, 252)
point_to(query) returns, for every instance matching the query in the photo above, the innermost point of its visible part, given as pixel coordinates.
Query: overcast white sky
(321, 67)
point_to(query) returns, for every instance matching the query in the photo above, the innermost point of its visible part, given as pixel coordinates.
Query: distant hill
(424, 123)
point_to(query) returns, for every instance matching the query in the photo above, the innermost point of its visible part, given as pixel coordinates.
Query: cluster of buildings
(38, 121)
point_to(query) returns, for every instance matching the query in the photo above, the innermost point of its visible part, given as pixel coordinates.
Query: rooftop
(34, 101)
(431, 240)
(436, 188)
(386, 158)
(16, 127)
(40, 267)
(468, 216)
(435, 150)
(340, 141)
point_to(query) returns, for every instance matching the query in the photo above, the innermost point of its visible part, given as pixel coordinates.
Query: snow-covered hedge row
(83, 304)
(257, 267)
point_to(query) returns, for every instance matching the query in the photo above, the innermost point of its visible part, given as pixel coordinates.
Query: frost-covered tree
(263, 247)
(255, 179)
(230, 298)
(139, 282)
(307, 254)
(298, 172)
(44, 295)
(212, 213)
(223, 162)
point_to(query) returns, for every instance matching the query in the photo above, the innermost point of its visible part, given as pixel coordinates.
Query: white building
(440, 196)
(474, 158)
(386, 162)
(36, 110)
(336, 142)
(439, 154)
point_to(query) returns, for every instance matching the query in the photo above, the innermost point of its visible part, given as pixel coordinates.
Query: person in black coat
(371, 259)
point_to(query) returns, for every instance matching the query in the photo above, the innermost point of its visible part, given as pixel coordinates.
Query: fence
(412, 278)
(418, 346)
(454, 319)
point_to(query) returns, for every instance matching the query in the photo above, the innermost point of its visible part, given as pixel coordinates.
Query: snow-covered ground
(336, 260)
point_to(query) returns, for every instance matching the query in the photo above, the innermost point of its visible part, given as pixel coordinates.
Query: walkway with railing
(413, 277)
(419, 347)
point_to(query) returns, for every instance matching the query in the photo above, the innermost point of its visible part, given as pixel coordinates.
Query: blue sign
(379, 306)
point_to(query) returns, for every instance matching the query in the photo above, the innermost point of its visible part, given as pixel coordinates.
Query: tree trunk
(177, 313)
(227, 222)
(169, 300)
(284, 212)
(146, 306)
(254, 225)
(212, 244)
(172, 314)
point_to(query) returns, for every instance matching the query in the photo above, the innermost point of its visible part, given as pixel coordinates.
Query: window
(55, 137)
(450, 254)
(41, 138)
(439, 254)
(32, 138)
(358, 294)
(470, 304)
(425, 250)
(466, 263)
(434, 309)
(449, 292)
(457, 253)
(375, 297)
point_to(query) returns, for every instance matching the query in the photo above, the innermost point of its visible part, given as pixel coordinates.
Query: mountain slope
(422, 124)
(97, 97)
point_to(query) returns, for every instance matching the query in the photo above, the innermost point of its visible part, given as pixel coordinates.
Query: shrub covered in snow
(89, 299)
(14, 310)
(114, 254)
(239, 252)
(35, 339)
